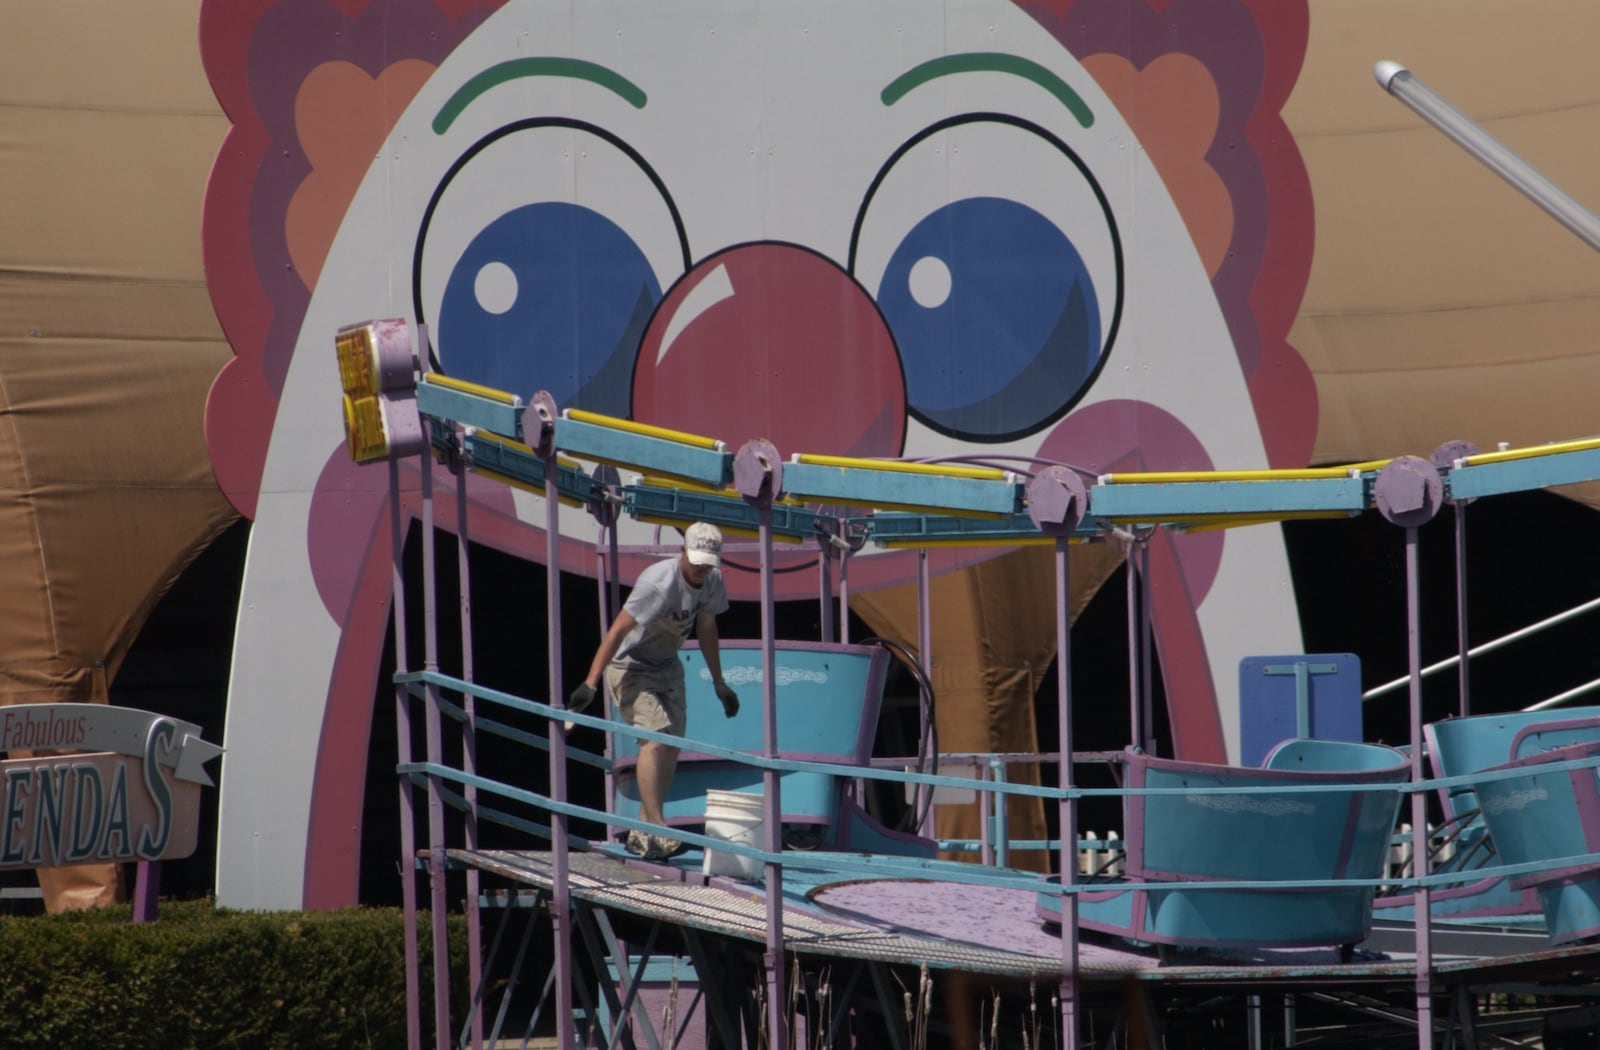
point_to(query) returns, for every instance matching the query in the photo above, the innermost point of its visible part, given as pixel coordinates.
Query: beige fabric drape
(993, 640)
(108, 344)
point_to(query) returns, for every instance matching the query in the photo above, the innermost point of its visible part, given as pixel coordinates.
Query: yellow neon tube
(1180, 476)
(946, 470)
(476, 389)
(975, 541)
(1531, 452)
(645, 429)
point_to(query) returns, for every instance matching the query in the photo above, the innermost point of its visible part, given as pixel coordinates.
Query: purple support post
(402, 721)
(146, 890)
(825, 586)
(603, 508)
(925, 654)
(1068, 806)
(1419, 804)
(538, 421)
(434, 731)
(844, 598)
(1136, 724)
(758, 476)
(1462, 645)
(1056, 503)
(469, 742)
(777, 1015)
(1409, 492)
(1445, 457)
(1147, 675)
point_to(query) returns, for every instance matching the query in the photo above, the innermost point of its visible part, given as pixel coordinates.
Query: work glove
(580, 699)
(729, 698)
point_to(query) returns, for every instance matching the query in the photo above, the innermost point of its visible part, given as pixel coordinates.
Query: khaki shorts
(651, 700)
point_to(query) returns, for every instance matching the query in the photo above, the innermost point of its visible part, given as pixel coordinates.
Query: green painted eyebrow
(517, 68)
(988, 62)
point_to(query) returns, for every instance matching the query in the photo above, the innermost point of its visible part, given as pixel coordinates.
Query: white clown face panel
(900, 229)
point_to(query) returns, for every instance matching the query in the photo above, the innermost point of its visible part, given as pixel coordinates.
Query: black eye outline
(490, 139)
(1118, 267)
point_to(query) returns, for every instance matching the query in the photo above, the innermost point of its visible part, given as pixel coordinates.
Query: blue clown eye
(549, 296)
(995, 315)
(540, 260)
(995, 260)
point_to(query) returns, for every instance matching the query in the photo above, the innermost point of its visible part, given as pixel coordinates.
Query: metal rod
(1488, 647)
(561, 902)
(1146, 650)
(1561, 698)
(1462, 645)
(777, 1018)
(402, 722)
(1419, 803)
(1490, 151)
(1136, 731)
(469, 741)
(825, 590)
(924, 792)
(1067, 806)
(434, 731)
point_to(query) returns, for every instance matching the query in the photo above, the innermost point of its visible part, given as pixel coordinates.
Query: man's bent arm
(705, 629)
(609, 646)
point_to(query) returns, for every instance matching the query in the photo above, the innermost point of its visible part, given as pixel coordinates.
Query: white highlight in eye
(496, 287)
(930, 282)
(712, 289)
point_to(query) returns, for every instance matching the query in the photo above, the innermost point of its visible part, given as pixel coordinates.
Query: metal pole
(434, 730)
(1419, 803)
(777, 1015)
(1490, 151)
(1068, 806)
(1136, 733)
(469, 742)
(561, 895)
(402, 721)
(1461, 606)
(1146, 661)
(844, 598)
(825, 588)
(924, 792)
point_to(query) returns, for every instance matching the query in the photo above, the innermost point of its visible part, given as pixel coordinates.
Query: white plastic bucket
(733, 816)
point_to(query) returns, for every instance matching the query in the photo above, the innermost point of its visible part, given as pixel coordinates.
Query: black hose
(928, 742)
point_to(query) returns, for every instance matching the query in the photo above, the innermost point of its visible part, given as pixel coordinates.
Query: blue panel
(1269, 707)
(653, 502)
(485, 413)
(1156, 502)
(897, 488)
(1520, 475)
(828, 697)
(527, 468)
(909, 528)
(710, 467)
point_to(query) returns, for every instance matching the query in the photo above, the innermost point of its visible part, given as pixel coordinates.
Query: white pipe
(1561, 698)
(1399, 82)
(1487, 647)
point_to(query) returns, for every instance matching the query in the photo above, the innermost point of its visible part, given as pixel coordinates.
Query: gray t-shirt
(665, 607)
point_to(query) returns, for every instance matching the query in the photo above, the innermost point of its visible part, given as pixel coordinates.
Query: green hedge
(211, 979)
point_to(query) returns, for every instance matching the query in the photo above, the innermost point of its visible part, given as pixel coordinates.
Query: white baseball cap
(703, 543)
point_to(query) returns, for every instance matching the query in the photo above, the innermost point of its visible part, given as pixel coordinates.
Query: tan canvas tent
(107, 343)
(1440, 306)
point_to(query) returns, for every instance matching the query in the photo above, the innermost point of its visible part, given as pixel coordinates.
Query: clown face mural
(906, 229)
